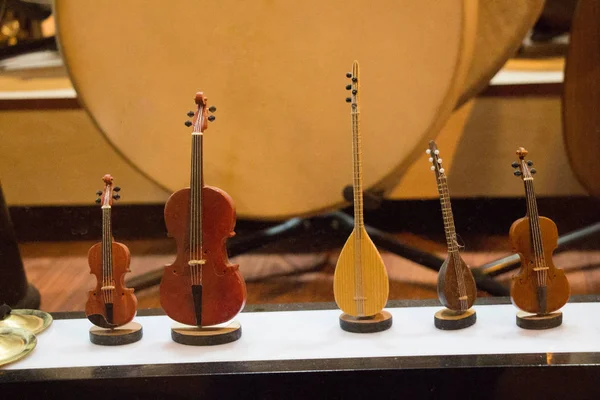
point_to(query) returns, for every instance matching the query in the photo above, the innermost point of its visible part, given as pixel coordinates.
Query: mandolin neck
(196, 184)
(449, 228)
(107, 260)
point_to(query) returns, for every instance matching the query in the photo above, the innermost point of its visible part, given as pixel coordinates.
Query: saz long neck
(196, 184)
(107, 267)
(449, 228)
(357, 162)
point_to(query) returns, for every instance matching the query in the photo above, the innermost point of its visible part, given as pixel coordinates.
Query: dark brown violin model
(110, 304)
(539, 287)
(456, 286)
(201, 288)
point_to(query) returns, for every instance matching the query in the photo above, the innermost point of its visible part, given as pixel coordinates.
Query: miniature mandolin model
(201, 288)
(539, 287)
(110, 304)
(456, 286)
(360, 282)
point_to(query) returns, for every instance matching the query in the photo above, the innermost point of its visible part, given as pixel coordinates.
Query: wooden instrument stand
(206, 335)
(449, 320)
(539, 321)
(376, 323)
(125, 334)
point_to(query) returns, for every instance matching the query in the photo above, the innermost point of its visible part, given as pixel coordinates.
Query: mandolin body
(524, 288)
(124, 301)
(223, 287)
(447, 288)
(375, 285)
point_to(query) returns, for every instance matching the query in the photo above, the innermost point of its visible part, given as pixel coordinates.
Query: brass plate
(35, 321)
(15, 343)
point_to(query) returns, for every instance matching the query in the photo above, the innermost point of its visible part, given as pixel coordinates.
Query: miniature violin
(360, 281)
(539, 287)
(456, 285)
(201, 287)
(110, 304)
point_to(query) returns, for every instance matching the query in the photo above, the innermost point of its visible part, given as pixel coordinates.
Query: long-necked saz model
(201, 288)
(110, 304)
(360, 282)
(456, 287)
(539, 287)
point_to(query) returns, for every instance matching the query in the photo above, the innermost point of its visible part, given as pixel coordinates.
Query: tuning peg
(529, 163)
(533, 171)
(517, 173)
(436, 152)
(116, 196)
(117, 189)
(430, 159)
(428, 151)
(99, 193)
(432, 168)
(348, 99)
(211, 118)
(515, 164)
(354, 79)
(212, 108)
(190, 114)
(348, 74)
(188, 123)
(439, 160)
(98, 201)
(442, 170)
(348, 87)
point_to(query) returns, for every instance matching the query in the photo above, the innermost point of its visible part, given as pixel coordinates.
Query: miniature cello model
(539, 287)
(110, 304)
(360, 282)
(201, 288)
(456, 287)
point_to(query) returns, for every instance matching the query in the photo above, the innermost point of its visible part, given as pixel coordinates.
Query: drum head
(281, 144)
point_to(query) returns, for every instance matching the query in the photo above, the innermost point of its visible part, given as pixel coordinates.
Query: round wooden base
(539, 321)
(128, 333)
(376, 323)
(206, 335)
(450, 320)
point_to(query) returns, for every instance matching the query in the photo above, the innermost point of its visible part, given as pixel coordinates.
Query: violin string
(542, 259)
(539, 261)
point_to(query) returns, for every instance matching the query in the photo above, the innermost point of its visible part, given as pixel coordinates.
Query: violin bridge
(108, 287)
(540, 268)
(463, 298)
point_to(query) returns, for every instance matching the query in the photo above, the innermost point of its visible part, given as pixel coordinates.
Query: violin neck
(357, 176)
(196, 184)
(107, 260)
(449, 227)
(534, 219)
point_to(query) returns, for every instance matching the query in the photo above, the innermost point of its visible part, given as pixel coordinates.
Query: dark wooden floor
(60, 271)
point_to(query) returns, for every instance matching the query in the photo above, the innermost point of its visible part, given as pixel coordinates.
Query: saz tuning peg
(348, 87)
(348, 74)
(348, 99)
(188, 123)
(190, 114)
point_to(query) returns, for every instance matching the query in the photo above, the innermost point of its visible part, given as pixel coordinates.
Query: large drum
(281, 145)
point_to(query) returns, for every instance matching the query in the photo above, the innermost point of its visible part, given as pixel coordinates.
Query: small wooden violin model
(456, 286)
(360, 281)
(201, 287)
(539, 287)
(110, 304)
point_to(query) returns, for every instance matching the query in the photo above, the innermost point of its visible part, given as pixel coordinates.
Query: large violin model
(456, 286)
(539, 287)
(360, 281)
(110, 304)
(201, 287)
